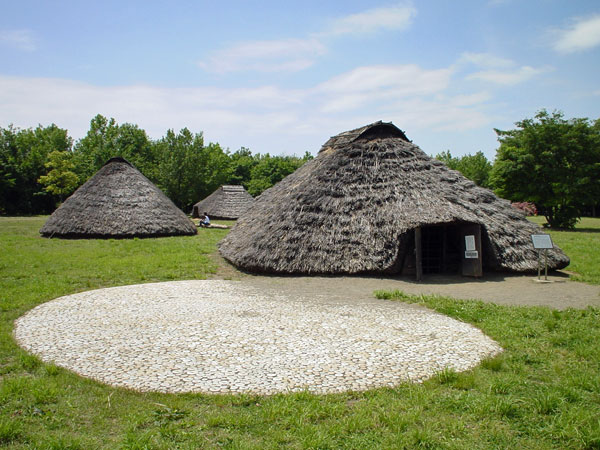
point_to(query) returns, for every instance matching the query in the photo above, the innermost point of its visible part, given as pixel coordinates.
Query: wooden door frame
(469, 267)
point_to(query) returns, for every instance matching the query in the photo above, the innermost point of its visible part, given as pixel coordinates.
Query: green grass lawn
(542, 392)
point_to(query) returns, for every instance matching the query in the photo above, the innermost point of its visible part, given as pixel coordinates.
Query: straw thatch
(354, 207)
(227, 202)
(117, 202)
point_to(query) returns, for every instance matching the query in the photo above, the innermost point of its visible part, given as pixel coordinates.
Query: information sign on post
(542, 242)
(470, 249)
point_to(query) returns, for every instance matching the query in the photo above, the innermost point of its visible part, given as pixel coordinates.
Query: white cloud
(381, 83)
(293, 55)
(508, 78)
(498, 70)
(19, 39)
(583, 34)
(265, 119)
(397, 17)
(287, 55)
(486, 60)
(71, 104)
(438, 115)
(471, 99)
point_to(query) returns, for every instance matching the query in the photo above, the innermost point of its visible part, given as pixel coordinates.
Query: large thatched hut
(373, 202)
(227, 202)
(117, 202)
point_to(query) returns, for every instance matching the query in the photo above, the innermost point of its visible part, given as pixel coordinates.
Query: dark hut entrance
(451, 248)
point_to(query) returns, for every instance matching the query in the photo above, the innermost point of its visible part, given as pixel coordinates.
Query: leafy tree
(447, 158)
(189, 170)
(8, 168)
(272, 169)
(475, 167)
(242, 163)
(106, 139)
(552, 162)
(60, 180)
(23, 155)
(214, 170)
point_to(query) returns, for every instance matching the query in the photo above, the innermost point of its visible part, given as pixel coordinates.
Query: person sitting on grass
(206, 221)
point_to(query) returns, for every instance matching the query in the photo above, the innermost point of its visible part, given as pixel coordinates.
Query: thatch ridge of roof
(376, 129)
(227, 202)
(118, 201)
(350, 210)
(118, 159)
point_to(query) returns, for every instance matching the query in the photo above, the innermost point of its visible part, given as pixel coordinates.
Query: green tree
(475, 167)
(242, 163)
(106, 139)
(8, 168)
(23, 155)
(215, 168)
(272, 169)
(60, 181)
(188, 170)
(552, 162)
(447, 158)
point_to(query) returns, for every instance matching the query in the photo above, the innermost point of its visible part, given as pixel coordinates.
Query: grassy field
(542, 392)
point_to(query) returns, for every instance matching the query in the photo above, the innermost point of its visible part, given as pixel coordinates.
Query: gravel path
(257, 335)
(499, 288)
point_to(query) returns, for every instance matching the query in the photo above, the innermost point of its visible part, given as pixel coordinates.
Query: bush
(526, 207)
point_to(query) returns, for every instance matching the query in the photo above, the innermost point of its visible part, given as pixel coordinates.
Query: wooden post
(418, 254)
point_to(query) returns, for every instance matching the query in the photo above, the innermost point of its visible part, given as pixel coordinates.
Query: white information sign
(541, 241)
(469, 243)
(471, 254)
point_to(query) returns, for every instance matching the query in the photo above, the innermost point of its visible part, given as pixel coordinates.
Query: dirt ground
(499, 288)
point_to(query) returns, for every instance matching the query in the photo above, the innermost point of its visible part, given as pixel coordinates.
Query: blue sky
(282, 77)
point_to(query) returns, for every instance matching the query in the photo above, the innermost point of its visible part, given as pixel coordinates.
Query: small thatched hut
(373, 202)
(227, 202)
(117, 202)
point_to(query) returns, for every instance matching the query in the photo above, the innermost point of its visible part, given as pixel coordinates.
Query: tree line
(41, 167)
(548, 160)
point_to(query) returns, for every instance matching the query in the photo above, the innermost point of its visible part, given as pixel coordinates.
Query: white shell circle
(216, 336)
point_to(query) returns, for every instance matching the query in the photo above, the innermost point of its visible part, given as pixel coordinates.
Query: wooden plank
(418, 254)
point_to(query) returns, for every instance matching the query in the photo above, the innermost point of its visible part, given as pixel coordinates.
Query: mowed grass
(582, 245)
(542, 392)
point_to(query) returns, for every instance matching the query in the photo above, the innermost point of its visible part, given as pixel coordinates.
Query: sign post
(542, 242)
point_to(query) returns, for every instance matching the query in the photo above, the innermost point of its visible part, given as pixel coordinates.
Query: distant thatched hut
(373, 202)
(227, 202)
(117, 202)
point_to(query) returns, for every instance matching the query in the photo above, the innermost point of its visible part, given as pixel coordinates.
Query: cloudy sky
(283, 76)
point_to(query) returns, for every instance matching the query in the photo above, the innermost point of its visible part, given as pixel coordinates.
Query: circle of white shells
(227, 337)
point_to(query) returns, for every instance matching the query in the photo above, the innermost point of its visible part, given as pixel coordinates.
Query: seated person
(206, 221)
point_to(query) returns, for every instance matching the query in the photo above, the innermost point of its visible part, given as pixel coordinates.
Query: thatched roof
(117, 202)
(353, 208)
(227, 202)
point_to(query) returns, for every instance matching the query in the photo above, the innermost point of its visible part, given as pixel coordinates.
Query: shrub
(526, 207)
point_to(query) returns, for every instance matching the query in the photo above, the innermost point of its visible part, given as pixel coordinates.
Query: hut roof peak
(375, 130)
(118, 159)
